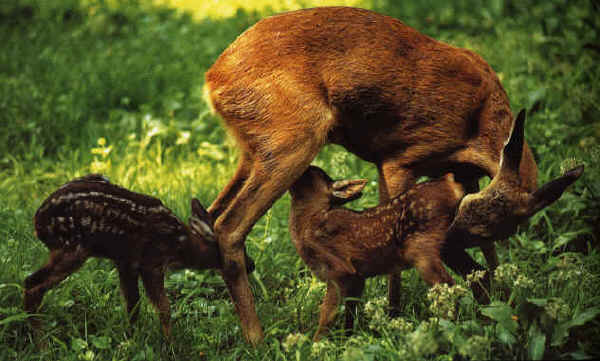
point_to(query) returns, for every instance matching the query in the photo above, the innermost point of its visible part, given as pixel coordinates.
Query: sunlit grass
(125, 100)
(225, 8)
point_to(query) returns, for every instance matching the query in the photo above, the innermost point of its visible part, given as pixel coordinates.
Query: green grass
(74, 72)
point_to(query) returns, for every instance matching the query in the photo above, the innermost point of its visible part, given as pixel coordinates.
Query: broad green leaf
(504, 335)
(538, 301)
(101, 342)
(501, 313)
(568, 237)
(13, 318)
(78, 344)
(537, 343)
(561, 332)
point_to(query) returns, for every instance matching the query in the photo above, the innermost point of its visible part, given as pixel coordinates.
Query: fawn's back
(377, 240)
(109, 220)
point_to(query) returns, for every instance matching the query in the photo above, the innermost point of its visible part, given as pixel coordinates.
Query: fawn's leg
(422, 251)
(433, 272)
(155, 290)
(355, 287)
(60, 265)
(128, 276)
(329, 306)
(393, 181)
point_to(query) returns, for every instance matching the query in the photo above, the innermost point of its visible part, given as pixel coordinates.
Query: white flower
(443, 299)
(319, 348)
(557, 309)
(524, 282)
(506, 273)
(293, 339)
(475, 277)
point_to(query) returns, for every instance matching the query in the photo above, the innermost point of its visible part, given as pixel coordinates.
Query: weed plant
(116, 87)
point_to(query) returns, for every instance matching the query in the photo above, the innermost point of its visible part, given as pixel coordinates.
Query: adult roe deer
(411, 105)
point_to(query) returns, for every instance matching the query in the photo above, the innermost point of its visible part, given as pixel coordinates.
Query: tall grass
(115, 87)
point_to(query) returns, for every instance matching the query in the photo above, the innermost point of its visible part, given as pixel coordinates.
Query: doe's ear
(513, 148)
(347, 190)
(552, 190)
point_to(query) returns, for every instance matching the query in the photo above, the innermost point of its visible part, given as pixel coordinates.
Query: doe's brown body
(395, 97)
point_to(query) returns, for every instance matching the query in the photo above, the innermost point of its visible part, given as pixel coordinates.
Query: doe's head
(496, 211)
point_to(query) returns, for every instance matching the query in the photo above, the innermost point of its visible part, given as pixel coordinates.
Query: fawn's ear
(201, 228)
(347, 190)
(552, 190)
(199, 211)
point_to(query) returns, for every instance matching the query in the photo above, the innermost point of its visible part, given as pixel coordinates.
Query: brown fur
(343, 247)
(91, 217)
(497, 210)
(404, 101)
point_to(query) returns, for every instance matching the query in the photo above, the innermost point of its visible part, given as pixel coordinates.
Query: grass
(115, 87)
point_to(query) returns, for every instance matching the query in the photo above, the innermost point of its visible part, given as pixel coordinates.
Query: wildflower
(475, 277)
(316, 286)
(339, 164)
(375, 310)
(183, 138)
(568, 275)
(99, 166)
(506, 273)
(524, 282)
(401, 325)
(568, 164)
(319, 348)
(292, 340)
(557, 309)
(443, 299)
(475, 348)
(153, 131)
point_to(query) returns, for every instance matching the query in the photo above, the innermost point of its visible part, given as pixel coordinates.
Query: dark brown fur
(389, 94)
(91, 217)
(343, 247)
